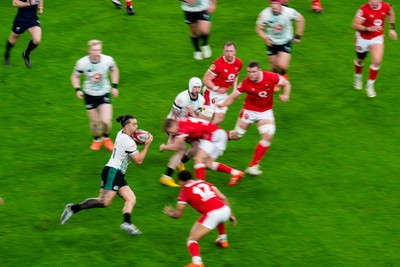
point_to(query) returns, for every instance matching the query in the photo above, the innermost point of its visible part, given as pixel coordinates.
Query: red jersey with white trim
(200, 195)
(225, 72)
(373, 17)
(259, 95)
(195, 128)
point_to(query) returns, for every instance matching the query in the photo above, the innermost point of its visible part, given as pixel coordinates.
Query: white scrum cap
(194, 81)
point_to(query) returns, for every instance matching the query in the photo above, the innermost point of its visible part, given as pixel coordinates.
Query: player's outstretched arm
(174, 213)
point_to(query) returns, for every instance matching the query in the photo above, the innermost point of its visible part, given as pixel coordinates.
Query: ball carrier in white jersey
(113, 176)
(96, 91)
(275, 27)
(187, 103)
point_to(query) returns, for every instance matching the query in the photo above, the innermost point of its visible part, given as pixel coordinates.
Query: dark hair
(124, 119)
(168, 123)
(253, 64)
(229, 43)
(184, 175)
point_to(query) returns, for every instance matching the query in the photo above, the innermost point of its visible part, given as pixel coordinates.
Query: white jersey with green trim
(124, 146)
(96, 74)
(199, 5)
(279, 28)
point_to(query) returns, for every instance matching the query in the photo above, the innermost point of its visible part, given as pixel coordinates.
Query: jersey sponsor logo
(378, 22)
(263, 94)
(96, 77)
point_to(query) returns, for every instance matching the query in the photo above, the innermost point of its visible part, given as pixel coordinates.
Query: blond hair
(92, 43)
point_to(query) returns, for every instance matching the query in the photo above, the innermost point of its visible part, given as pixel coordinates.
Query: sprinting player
(187, 103)
(257, 108)
(128, 4)
(214, 208)
(316, 5)
(96, 91)
(212, 145)
(220, 76)
(198, 18)
(274, 27)
(113, 176)
(369, 23)
(26, 19)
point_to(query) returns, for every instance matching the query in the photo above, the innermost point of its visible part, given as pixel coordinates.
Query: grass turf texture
(329, 193)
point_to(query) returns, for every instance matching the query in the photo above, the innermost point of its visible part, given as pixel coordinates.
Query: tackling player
(214, 208)
(212, 145)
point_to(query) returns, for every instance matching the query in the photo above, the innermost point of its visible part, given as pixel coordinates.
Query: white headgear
(194, 81)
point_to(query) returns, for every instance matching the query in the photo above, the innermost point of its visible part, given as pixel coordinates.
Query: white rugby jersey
(124, 146)
(279, 28)
(96, 74)
(182, 101)
(199, 5)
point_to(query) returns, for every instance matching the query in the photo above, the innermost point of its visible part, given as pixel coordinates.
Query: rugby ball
(140, 136)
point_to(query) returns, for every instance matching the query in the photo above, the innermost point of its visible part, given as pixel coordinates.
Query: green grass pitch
(329, 194)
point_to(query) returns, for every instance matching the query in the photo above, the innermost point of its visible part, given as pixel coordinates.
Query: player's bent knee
(267, 129)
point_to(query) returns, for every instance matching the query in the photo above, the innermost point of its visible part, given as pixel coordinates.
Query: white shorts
(363, 45)
(211, 100)
(217, 145)
(249, 116)
(215, 217)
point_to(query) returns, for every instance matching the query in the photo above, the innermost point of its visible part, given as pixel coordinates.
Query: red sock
(315, 2)
(128, 3)
(221, 228)
(373, 72)
(193, 248)
(259, 152)
(358, 68)
(223, 168)
(200, 171)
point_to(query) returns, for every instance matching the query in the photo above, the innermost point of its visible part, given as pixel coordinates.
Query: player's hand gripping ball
(140, 136)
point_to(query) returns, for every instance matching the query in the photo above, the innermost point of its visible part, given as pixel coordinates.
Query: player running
(214, 208)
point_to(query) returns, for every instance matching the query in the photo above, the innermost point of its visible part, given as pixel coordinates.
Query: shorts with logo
(112, 179)
(21, 25)
(215, 217)
(92, 102)
(211, 100)
(363, 45)
(193, 17)
(249, 116)
(275, 49)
